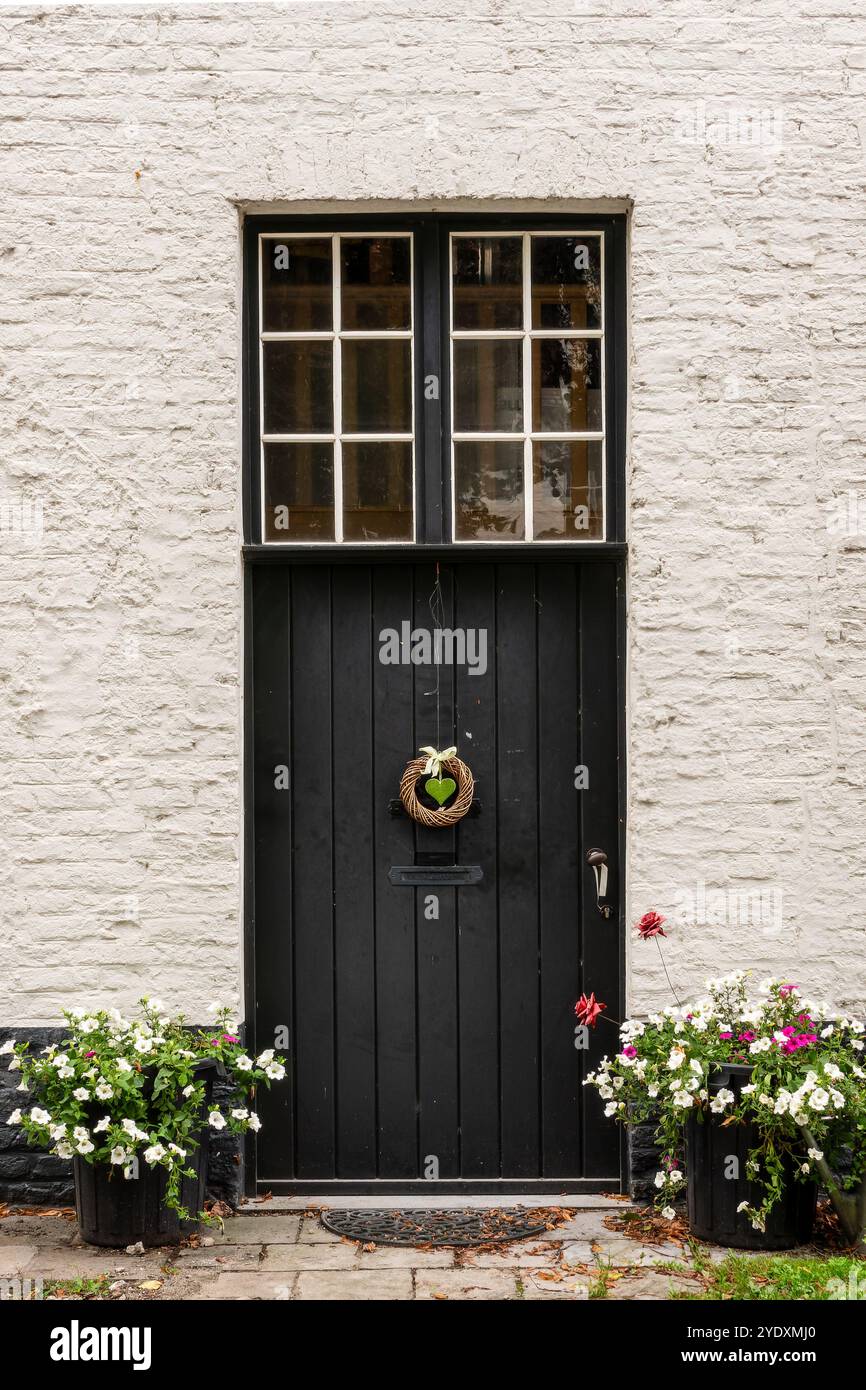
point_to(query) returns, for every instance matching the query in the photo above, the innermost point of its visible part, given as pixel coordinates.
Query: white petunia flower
(123, 1065)
(676, 1058)
(659, 1179)
(85, 1146)
(14, 1118)
(154, 1153)
(243, 1062)
(276, 1071)
(815, 1154)
(240, 1114)
(58, 1132)
(254, 1122)
(819, 1099)
(64, 1149)
(265, 1057)
(102, 1125)
(118, 1154)
(7, 1047)
(81, 1093)
(216, 1120)
(669, 1213)
(40, 1117)
(103, 1090)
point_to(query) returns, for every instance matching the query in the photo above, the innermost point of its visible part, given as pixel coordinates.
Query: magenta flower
(726, 1036)
(786, 989)
(629, 1051)
(746, 1037)
(229, 1037)
(89, 1054)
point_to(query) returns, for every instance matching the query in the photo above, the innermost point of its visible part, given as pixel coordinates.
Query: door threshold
(333, 1198)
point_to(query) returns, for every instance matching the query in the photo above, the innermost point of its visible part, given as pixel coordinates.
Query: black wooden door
(433, 1040)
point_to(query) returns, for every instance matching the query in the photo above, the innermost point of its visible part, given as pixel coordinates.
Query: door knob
(597, 860)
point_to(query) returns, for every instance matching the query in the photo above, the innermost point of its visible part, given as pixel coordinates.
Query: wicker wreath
(442, 815)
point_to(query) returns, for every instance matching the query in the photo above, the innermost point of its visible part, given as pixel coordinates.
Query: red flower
(650, 925)
(589, 1010)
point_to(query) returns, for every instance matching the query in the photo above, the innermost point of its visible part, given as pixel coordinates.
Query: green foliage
(806, 1094)
(759, 1278)
(116, 1090)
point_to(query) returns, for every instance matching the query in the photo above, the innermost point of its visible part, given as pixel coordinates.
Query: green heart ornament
(440, 788)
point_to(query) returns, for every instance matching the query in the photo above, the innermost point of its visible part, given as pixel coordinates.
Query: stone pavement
(278, 1250)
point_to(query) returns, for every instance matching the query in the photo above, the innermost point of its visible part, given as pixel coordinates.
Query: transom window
(430, 382)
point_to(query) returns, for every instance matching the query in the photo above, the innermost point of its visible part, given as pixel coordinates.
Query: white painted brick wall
(119, 668)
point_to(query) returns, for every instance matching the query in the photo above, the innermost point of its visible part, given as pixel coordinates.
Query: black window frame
(433, 520)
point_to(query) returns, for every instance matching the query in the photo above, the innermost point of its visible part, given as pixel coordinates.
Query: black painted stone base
(32, 1177)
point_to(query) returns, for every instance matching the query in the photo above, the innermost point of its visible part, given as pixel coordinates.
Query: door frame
(431, 501)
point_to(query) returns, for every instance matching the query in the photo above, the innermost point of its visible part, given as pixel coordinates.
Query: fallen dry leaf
(150, 1284)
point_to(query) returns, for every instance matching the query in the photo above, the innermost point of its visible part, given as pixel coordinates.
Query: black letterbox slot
(434, 875)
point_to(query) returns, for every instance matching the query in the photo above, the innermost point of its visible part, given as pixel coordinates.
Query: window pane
(377, 491)
(567, 489)
(375, 275)
(488, 491)
(566, 384)
(488, 384)
(297, 294)
(488, 282)
(299, 492)
(566, 282)
(377, 386)
(298, 387)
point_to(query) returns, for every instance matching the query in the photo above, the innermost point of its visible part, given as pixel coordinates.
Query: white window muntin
(337, 438)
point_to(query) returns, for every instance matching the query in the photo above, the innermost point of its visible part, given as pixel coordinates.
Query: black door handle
(597, 860)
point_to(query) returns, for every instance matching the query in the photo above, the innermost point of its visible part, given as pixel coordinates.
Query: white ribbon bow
(433, 766)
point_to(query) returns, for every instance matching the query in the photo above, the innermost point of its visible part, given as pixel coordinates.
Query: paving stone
(260, 1230)
(246, 1287)
(220, 1257)
(314, 1233)
(578, 1252)
(468, 1284)
(37, 1230)
(405, 1257)
(587, 1225)
(88, 1262)
(313, 1256)
(521, 1256)
(15, 1258)
(657, 1287)
(622, 1250)
(388, 1285)
(573, 1288)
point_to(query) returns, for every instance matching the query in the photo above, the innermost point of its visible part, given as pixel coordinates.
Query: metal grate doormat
(440, 1226)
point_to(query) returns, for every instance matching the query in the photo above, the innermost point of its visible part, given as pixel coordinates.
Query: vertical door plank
(600, 829)
(517, 809)
(436, 938)
(354, 896)
(312, 714)
(478, 937)
(559, 841)
(272, 811)
(393, 745)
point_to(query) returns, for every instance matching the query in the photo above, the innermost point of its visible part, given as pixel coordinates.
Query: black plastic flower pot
(716, 1157)
(117, 1211)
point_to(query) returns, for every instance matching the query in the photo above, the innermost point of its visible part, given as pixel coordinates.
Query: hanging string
(437, 612)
